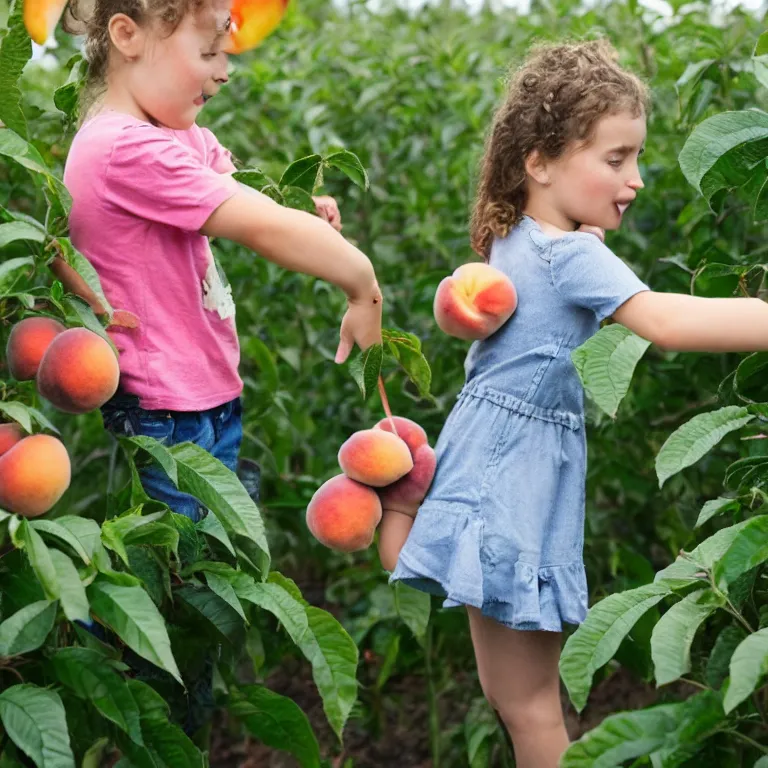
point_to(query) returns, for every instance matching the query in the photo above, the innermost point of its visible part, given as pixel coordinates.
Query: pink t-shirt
(140, 195)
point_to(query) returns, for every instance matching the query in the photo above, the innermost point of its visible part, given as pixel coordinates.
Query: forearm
(294, 240)
(679, 322)
(330, 256)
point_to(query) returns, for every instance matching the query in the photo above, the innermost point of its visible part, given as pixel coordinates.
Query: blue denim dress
(502, 527)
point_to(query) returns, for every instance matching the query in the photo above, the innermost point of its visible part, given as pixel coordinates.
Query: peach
(27, 343)
(343, 514)
(375, 457)
(406, 494)
(10, 434)
(78, 372)
(34, 474)
(251, 22)
(411, 433)
(474, 302)
(41, 18)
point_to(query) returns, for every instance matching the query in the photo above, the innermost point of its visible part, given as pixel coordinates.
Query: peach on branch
(79, 371)
(343, 514)
(10, 434)
(375, 457)
(474, 302)
(251, 21)
(27, 343)
(34, 474)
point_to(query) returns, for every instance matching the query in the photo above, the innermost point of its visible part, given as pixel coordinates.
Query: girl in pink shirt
(149, 187)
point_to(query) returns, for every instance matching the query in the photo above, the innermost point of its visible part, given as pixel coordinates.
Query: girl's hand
(328, 210)
(596, 231)
(361, 323)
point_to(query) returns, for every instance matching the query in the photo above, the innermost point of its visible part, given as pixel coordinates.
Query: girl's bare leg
(394, 528)
(520, 678)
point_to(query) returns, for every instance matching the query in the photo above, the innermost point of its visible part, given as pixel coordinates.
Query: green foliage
(386, 111)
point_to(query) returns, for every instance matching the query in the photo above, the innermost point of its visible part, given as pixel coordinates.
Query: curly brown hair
(554, 98)
(91, 18)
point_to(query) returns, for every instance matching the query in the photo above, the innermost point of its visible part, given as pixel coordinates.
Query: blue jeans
(219, 430)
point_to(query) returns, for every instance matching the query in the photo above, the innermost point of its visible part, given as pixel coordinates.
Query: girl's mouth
(622, 207)
(201, 99)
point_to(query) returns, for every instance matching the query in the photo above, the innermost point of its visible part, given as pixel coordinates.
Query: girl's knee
(530, 715)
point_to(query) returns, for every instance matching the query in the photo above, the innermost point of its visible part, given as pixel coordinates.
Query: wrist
(365, 287)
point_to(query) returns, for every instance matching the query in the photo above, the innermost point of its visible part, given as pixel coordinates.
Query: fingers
(345, 345)
(591, 230)
(327, 209)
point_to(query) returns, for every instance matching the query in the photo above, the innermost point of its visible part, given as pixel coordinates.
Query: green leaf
(90, 677)
(597, 639)
(29, 539)
(605, 364)
(219, 488)
(87, 532)
(19, 230)
(252, 177)
(132, 527)
(15, 52)
(211, 526)
(18, 412)
(56, 530)
(480, 727)
(226, 592)
(720, 657)
(723, 150)
(686, 445)
(217, 611)
(366, 368)
(73, 599)
(26, 630)
(716, 507)
(305, 173)
(692, 566)
(36, 722)
(9, 266)
(276, 721)
(79, 312)
(748, 664)
(159, 453)
(349, 164)
(413, 607)
(65, 97)
(130, 612)
(296, 197)
(760, 60)
(406, 349)
(748, 549)
(673, 634)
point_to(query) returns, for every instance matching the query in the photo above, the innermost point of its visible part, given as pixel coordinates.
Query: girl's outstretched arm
(683, 323)
(301, 242)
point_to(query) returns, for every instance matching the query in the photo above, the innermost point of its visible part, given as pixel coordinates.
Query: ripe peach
(27, 343)
(407, 493)
(343, 514)
(10, 434)
(474, 302)
(251, 22)
(375, 457)
(34, 475)
(411, 433)
(78, 372)
(41, 18)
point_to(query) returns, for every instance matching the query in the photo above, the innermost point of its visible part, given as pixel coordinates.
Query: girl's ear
(127, 36)
(536, 167)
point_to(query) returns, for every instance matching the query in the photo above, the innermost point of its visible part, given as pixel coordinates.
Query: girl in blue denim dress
(501, 529)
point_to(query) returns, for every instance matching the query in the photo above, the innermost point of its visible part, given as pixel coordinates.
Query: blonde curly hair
(554, 98)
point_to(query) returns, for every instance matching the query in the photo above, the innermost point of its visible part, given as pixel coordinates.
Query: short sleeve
(585, 272)
(155, 177)
(219, 157)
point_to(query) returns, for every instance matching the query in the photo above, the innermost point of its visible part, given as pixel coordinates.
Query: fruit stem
(385, 403)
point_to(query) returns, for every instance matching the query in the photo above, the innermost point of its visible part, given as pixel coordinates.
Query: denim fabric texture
(502, 527)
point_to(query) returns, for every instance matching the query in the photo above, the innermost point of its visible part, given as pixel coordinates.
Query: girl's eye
(615, 163)
(210, 55)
